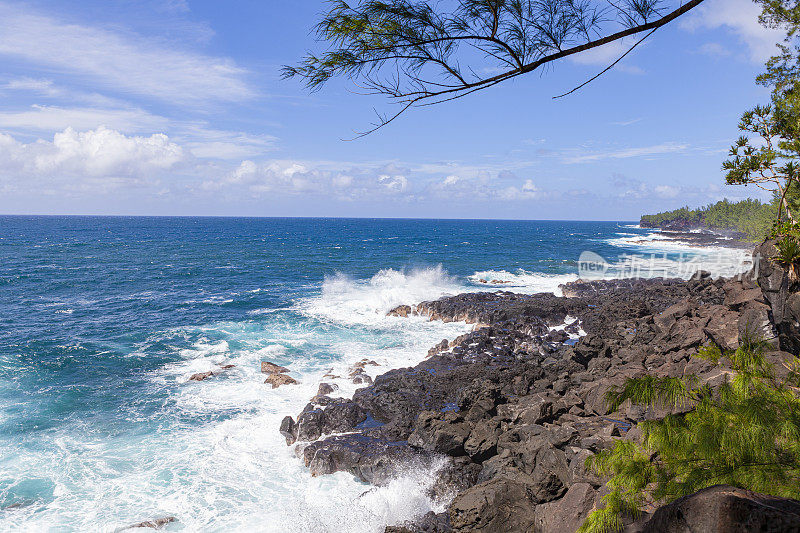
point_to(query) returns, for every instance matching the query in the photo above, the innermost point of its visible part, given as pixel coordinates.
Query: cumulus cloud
(527, 191)
(740, 17)
(296, 177)
(100, 153)
(121, 60)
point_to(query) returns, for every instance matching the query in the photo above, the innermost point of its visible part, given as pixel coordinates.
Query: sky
(176, 107)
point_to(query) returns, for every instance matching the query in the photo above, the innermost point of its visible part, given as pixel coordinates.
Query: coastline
(533, 370)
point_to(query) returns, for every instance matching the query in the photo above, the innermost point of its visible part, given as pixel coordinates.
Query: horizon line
(276, 217)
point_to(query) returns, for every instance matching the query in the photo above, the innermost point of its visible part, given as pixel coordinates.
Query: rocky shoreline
(701, 235)
(505, 416)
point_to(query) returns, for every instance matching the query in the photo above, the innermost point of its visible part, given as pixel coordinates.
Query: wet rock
(200, 376)
(336, 416)
(362, 379)
(276, 380)
(326, 388)
(272, 368)
(156, 523)
(726, 509)
(370, 458)
(430, 523)
(401, 311)
(438, 348)
(289, 430)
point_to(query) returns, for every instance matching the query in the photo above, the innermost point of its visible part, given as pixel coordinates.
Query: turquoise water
(103, 320)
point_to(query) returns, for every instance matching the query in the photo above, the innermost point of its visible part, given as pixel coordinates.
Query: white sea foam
(522, 281)
(217, 461)
(658, 255)
(352, 301)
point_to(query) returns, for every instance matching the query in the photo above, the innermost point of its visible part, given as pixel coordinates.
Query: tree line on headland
(748, 219)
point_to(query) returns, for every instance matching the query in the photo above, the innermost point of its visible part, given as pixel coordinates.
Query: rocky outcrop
(516, 406)
(202, 376)
(782, 294)
(726, 509)
(276, 380)
(272, 368)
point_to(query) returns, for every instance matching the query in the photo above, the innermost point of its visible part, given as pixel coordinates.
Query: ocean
(104, 319)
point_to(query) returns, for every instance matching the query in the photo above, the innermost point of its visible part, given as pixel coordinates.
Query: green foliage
(419, 52)
(744, 433)
(788, 254)
(767, 154)
(768, 162)
(750, 217)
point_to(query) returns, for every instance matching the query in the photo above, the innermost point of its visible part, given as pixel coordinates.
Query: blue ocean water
(103, 320)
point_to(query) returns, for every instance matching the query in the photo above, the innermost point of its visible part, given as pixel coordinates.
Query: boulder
(200, 376)
(723, 330)
(289, 430)
(326, 388)
(370, 458)
(440, 432)
(335, 415)
(156, 523)
(726, 509)
(497, 506)
(568, 513)
(272, 368)
(401, 311)
(430, 523)
(276, 380)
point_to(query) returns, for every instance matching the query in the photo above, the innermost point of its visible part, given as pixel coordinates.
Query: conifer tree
(420, 53)
(745, 433)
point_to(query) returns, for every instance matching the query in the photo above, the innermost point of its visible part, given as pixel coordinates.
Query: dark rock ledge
(517, 410)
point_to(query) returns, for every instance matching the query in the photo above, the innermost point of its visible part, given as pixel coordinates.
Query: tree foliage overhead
(427, 52)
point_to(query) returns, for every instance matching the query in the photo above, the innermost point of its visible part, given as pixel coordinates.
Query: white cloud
(626, 122)
(102, 153)
(603, 56)
(667, 191)
(741, 17)
(35, 85)
(393, 183)
(528, 191)
(664, 148)
(221, 144)
(52, 118)
(129, 62)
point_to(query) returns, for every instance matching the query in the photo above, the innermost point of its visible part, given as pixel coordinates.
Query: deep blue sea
(103, 320)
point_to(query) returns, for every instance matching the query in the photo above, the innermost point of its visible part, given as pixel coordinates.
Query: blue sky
(176, 107)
